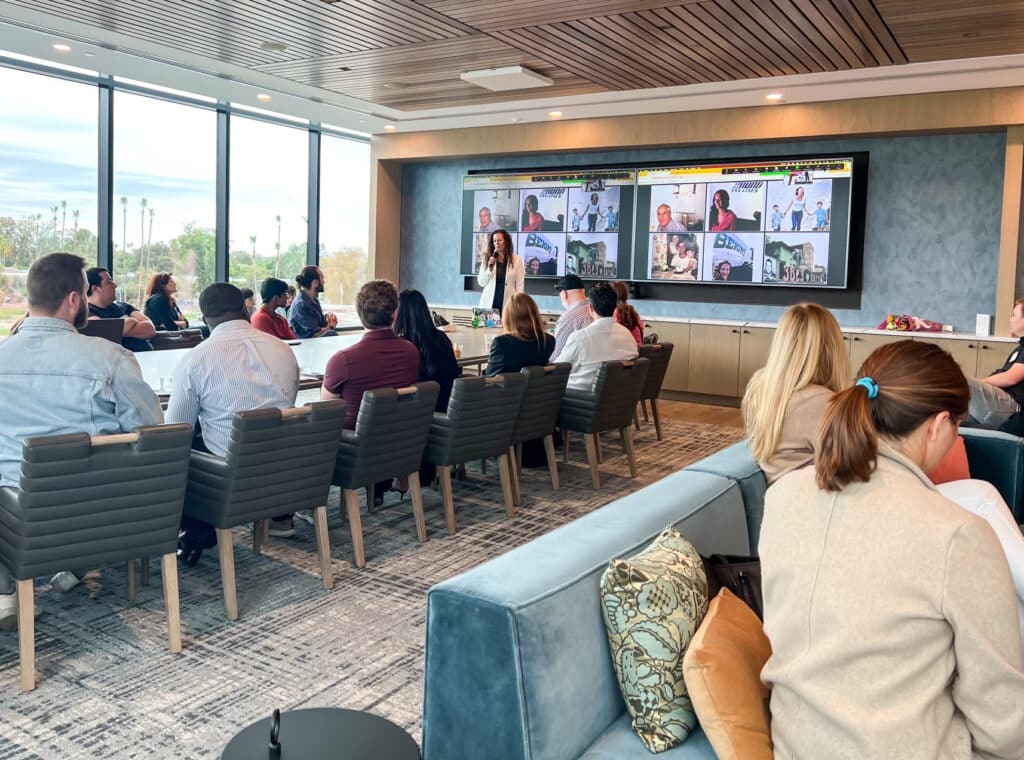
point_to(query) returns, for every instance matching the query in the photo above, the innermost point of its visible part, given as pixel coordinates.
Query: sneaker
(282, 528)
(64, 581)
(305, 516)
(8, 611)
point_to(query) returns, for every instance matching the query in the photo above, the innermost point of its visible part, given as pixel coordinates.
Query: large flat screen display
(578, 222)
(775, 222)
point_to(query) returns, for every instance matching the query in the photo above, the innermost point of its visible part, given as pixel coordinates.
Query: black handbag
(741, 575)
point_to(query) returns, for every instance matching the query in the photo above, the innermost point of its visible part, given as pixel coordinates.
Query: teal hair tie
(871, 385)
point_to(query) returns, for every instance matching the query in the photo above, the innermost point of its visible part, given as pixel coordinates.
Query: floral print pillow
(653, 603)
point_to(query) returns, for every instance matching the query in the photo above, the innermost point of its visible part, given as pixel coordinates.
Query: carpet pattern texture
(108, 687)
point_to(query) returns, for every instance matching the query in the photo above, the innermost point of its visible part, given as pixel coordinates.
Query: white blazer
(515, 275)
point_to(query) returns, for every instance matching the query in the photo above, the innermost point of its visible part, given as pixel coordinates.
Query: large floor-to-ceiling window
(267, 219)
(344, 220)
(48, 160)
(165, 193)
(162, 200)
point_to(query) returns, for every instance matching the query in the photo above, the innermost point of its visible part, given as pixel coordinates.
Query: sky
(166, 152)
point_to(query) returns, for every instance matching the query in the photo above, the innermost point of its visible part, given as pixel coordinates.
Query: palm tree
(124, 224)
(63, 221)
(252, 240)
(142, 247)
(277, 249)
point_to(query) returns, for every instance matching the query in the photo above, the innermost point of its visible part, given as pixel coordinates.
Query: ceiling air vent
(506, 78)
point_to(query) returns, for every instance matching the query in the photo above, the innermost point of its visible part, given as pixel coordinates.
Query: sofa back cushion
(517, 658)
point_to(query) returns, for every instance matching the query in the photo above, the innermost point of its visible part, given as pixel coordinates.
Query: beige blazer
(799, 432)
(892, 620)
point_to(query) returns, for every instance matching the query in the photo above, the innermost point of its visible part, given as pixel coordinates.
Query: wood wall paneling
(1010, 228)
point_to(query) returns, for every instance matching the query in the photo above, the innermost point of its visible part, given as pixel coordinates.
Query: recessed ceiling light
(389, 127)
(555, 114)
(89, 55)
(775, 97)
(60, 47)
(263, 97)
(273, 47)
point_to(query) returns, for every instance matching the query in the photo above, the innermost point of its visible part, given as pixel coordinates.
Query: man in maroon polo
(379, 360)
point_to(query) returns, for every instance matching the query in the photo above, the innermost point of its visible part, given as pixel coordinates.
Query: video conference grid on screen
(560, 223)
(755, 222)
(781, 222)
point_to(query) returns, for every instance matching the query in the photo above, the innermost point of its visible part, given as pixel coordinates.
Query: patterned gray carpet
(109, 688)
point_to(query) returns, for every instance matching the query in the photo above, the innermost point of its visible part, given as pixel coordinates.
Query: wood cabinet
(713, 366)
(678, 334)
(991, 356)
(861, 346)
(754, 345)
(964, 352)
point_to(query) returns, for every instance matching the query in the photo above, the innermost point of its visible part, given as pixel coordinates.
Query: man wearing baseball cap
(577, 309)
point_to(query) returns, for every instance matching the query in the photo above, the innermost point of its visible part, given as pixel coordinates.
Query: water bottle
(476, 319)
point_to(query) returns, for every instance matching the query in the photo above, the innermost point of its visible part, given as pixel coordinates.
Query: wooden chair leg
(144, 571)
(417, 506)
(636, 420)
(597, 448)
(643, 405)
(169, 573)
(27, 633)
(595, 478)
(549, 450)
(226, 553)
(355, 524)
(323, 546)
(517, 496)
(258, 538)
(129, 580)
(627, 444)
(506, 484)
(657, 419)
(444, 476)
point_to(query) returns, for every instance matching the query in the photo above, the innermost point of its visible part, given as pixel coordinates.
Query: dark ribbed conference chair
(88, 502)
(538, 414)
(390, 435)
(277, 461)
(608, 405)
(481, 415)
(659, 355)
(166, 340)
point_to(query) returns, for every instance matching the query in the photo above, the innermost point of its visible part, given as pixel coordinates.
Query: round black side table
(324, 733)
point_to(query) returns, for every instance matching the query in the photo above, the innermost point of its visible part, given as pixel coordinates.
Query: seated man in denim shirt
(306, 317)
(54, 381)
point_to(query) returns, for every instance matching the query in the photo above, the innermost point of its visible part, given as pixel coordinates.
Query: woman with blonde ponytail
(890, 609)
(784, 402)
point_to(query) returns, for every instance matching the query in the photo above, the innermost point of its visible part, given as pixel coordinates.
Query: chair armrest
(999, 459)
(10, 507)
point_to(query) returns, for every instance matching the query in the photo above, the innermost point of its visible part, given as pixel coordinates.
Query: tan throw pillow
(723, 676)
(652, 605)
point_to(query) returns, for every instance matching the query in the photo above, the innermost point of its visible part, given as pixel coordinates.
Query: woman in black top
(437, 357)
(523, 342)
(160, 306)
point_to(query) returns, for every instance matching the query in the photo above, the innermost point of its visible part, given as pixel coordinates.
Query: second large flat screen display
(777, 222)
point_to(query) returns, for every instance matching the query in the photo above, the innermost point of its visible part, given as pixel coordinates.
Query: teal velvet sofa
(517, 664)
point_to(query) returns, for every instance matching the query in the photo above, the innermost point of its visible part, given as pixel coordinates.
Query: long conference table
(472, 345)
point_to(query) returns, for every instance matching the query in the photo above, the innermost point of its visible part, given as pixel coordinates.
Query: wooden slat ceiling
(408, 54)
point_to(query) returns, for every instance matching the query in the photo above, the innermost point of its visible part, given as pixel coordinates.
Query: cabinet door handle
(984, 346)
(971, 345)
(746, 332)
(735, 331)
(856, 338)
(846, 338)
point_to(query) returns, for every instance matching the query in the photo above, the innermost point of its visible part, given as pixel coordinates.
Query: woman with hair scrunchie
(880, 589)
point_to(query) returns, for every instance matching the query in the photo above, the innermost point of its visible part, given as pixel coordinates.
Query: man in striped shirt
(237, 368)
(577, 314)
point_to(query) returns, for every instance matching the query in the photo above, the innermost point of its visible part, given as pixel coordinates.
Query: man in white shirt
(604, 340)
(577, 309)
(236, 369)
